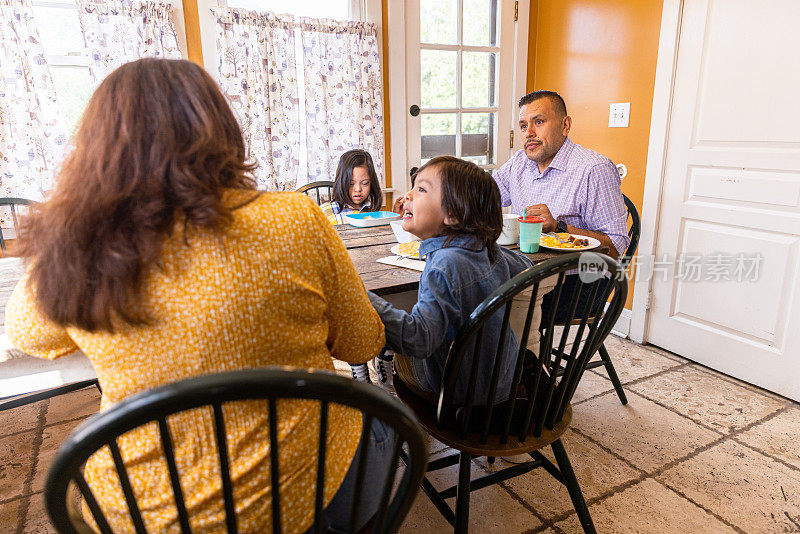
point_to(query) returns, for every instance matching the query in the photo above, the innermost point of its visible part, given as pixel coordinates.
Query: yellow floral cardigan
(278, 288)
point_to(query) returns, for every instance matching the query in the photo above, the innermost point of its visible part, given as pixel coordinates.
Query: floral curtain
(32, 138)
(257, 72)
(118, 31)
(344, 106)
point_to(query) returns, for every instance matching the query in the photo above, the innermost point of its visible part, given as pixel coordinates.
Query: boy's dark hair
(558, 103)
(344, 174)
(471, 197)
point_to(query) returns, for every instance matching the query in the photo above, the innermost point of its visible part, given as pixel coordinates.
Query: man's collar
(559, 160)
(433, 244)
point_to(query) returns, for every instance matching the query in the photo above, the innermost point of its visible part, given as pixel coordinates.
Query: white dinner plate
(396, 251)
(593, 243)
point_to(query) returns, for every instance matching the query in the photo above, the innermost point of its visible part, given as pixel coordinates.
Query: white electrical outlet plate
(619, 115)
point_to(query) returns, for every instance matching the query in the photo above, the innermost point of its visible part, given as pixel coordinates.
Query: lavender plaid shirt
(579, 187)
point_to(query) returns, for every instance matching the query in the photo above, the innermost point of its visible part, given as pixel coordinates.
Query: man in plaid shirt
(575, 189)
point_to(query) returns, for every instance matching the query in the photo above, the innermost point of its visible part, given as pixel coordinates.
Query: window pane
(74, 86)
(478, 80)
(438, 134)
(438, 21)
(477, 137)
(59, 30)
(480, 22)
(437, 79)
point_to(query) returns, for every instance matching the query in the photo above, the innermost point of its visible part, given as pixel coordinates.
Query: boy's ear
(449, 220)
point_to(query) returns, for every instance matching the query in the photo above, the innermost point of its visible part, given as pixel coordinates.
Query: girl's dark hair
(471, 197)
(156, 147)
(344, 174)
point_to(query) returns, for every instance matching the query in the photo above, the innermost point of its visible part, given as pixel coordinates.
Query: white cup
(510, 234)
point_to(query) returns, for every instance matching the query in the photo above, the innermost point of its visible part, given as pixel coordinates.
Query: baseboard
(622, 327)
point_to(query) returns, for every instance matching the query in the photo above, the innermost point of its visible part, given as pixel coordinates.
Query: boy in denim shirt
(454, 208)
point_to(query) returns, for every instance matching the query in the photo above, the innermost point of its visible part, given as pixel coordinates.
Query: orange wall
(594, 53)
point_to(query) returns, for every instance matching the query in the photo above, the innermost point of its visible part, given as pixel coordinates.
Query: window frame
(401, 60)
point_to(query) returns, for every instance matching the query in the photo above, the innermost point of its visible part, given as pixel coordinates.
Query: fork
(553, 234)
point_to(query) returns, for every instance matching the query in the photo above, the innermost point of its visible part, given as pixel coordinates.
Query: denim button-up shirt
(456, 279)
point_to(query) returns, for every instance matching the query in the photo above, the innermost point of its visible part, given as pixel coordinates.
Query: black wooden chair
(103, 430)
(539, 413)
(605, 360)
(12, 203)
(316, 187)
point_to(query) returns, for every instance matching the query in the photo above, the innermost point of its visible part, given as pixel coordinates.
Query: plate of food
(406, 250)
(371, 218)
(568, 242)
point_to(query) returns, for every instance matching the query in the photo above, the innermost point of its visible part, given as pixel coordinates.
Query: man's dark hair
(558, 102)
(344, 174)
(471, 197)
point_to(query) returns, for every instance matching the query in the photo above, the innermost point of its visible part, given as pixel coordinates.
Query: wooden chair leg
(462, 493)
(572, 486)
(612, 374)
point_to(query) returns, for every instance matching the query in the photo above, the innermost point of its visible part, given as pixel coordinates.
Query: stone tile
(21, 419)
(16, 463)
(644, 433)
(777, 437)
(596, 470)
(558, 331)
(707, 399)
(747, 488)
(591, 384)
(750, 387)
(633, 361)
(9, 514)
(648, 507)
(52, 437)
(37, 520)
(490, 508)
(75, 405)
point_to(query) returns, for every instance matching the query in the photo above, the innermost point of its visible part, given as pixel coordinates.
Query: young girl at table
(356, 188)
(454, 208)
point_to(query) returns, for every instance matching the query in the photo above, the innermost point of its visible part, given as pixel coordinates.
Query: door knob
(414, 110)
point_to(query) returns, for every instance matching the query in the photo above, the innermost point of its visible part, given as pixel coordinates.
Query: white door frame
(395, 93)
(656, 162)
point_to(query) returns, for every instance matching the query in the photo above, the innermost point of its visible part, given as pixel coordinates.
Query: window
(63, 45)
(325, 9)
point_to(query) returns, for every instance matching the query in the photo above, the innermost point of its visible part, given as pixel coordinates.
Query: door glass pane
(478, 80)
(477, 137)
(437, 79)
(438, 134)
(480, 22)
(438, 21)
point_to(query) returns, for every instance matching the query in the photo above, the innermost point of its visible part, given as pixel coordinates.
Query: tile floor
(693, 451)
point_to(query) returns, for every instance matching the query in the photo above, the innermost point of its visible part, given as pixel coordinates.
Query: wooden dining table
(367, 245)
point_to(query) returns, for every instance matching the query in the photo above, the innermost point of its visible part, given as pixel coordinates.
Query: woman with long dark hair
(156, 257)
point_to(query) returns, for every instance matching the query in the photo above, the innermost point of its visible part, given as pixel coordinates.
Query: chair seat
(426, 414)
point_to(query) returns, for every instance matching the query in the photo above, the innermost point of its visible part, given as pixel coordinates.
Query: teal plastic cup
(530, 230)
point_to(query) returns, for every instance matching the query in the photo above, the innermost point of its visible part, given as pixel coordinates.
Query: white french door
(725, 287)
(461, 88)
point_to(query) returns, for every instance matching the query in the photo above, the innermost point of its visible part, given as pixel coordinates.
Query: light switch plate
(619, 115)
